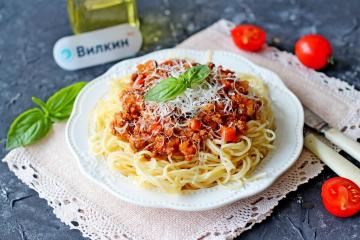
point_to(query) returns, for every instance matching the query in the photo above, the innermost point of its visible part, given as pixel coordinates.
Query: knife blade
(335, 136)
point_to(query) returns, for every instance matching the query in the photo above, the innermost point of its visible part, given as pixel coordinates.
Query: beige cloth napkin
(51, 169)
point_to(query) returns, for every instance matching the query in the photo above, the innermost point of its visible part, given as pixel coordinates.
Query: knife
(333, 135)
(332, 159)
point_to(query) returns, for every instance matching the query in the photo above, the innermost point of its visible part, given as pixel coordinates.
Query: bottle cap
(97, 47)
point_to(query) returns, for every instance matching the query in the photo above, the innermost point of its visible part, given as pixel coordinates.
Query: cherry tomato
(248, 37)
(313, 50)
(228, 134)
(195, 124)
(341, 197)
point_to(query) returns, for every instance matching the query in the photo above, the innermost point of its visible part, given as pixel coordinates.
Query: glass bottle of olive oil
(89, 15)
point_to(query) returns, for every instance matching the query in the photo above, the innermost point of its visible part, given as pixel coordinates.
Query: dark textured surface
(28, 30)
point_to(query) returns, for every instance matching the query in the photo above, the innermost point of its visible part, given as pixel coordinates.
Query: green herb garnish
(169, 88)
(35, 123)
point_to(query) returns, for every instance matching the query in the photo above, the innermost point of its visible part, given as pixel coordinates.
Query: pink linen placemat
(50, 169)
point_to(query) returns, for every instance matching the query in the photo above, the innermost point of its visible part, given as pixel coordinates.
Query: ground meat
(134, 125)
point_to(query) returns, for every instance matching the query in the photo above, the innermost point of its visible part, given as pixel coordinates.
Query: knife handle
(332, 159)
(344, 142)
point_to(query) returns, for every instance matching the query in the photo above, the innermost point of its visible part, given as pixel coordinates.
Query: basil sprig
(169, 88)
(35, 123)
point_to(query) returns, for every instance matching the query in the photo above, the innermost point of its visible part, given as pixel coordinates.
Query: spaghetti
(181, 144)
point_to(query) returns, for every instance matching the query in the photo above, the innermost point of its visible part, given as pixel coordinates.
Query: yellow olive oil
(89, 15)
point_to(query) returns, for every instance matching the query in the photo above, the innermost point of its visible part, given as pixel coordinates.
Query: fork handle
(332, 159)
(344, 142)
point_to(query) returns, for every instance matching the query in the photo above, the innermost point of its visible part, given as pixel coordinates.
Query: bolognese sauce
(183, 132)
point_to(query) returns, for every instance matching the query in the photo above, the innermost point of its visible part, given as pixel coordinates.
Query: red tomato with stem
(314, 51)
(248, 37)
(341, 197)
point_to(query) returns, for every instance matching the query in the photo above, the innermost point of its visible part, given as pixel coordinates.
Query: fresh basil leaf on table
(41, 104)
(27, 128)
(61, 103)
(169, 88)
(35, 123)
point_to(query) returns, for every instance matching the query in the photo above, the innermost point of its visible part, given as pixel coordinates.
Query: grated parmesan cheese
(192, 100)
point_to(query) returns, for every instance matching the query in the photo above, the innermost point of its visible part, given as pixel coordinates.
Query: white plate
(289, 121)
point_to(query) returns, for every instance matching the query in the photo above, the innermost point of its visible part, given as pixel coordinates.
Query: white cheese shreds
(192, 100)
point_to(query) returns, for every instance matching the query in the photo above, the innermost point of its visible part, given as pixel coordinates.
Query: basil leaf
(34, 124)
(165, 90)
(41, 104)
(169, 88)
(27, 128)
(195, 75)
(61, 103)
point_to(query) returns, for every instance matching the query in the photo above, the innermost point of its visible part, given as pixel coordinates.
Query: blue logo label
(66, 54)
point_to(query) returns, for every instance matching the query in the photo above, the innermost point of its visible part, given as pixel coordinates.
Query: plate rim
(167, 205)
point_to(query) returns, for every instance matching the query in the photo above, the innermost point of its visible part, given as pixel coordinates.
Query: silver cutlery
(340, 165)
(333, 135)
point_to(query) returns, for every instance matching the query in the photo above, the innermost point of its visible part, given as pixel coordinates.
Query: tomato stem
(331, 60)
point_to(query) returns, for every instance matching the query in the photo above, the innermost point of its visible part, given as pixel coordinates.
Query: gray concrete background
(29, 29)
